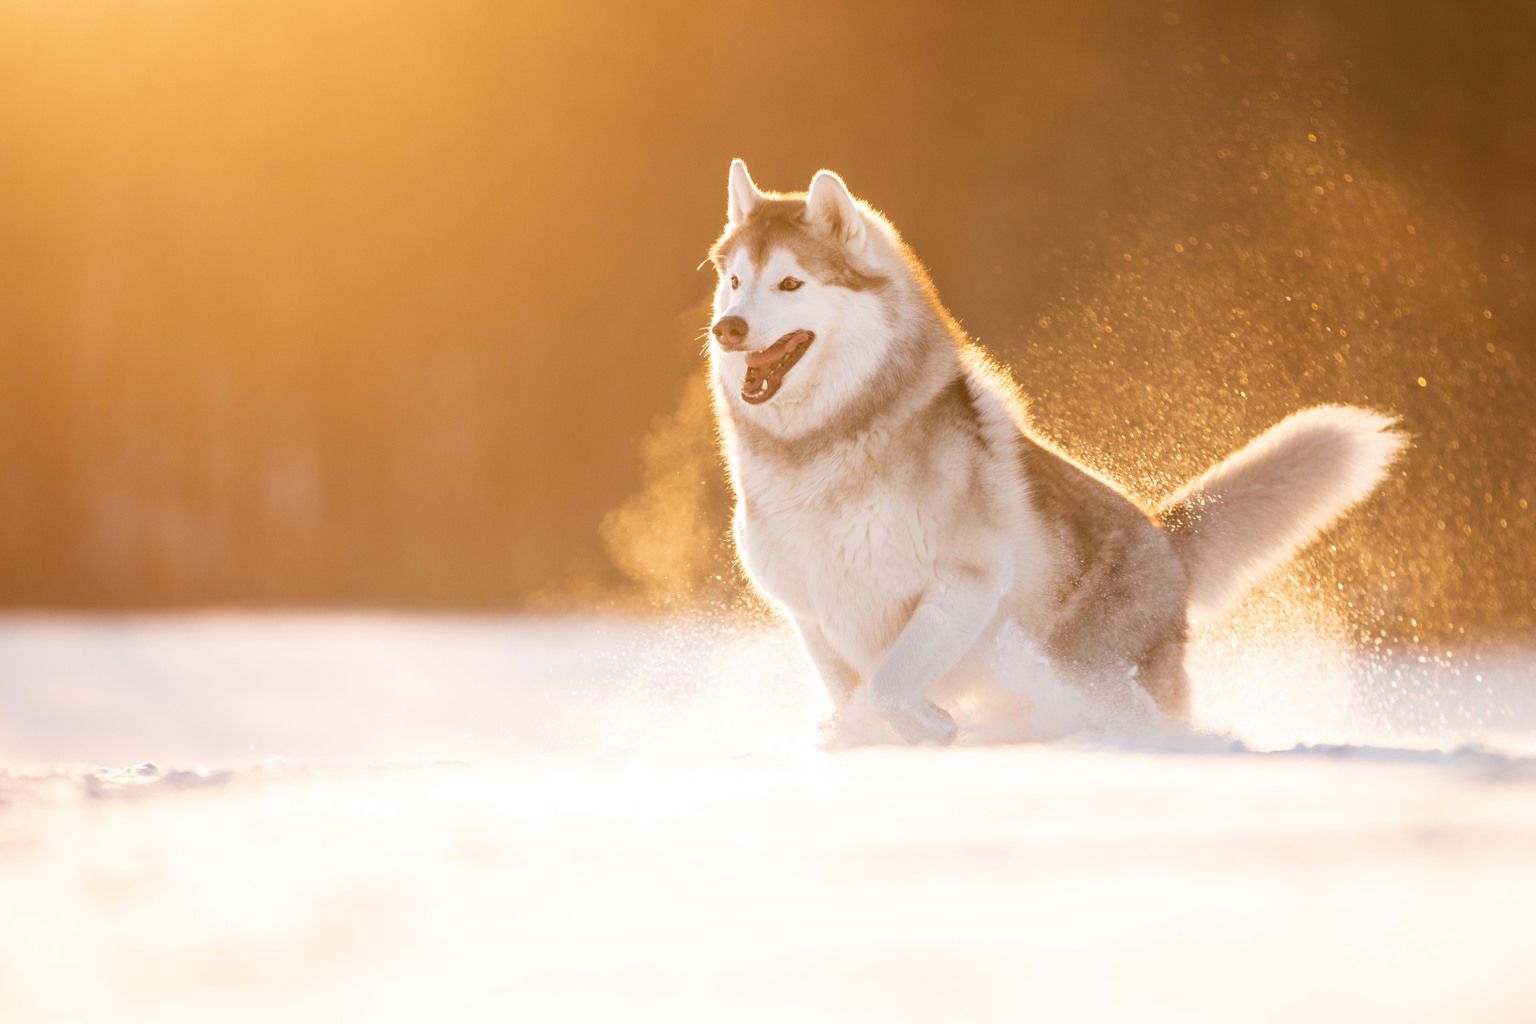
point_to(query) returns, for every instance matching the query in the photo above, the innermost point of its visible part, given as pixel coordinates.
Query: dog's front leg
(946, 624)
(836, 674)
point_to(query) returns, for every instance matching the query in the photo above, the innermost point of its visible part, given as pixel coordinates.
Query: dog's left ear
(830, 206)
(742, 193)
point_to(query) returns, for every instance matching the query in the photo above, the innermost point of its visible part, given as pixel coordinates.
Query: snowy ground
(435, 819)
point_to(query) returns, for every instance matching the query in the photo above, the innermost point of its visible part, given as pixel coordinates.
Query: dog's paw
(922, 722)
(854, 725)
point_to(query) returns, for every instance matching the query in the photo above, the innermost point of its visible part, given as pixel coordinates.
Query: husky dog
(892, 501)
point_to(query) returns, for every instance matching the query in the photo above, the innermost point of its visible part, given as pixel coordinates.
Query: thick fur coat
(892, 501)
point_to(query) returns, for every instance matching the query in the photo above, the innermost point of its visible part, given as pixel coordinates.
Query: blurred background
(396, 304)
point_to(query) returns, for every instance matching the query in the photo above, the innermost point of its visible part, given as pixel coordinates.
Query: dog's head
(803, 307)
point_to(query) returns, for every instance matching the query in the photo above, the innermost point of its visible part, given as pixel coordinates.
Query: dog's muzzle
(731, 333)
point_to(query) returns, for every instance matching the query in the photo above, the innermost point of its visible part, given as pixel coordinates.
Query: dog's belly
(856, 571)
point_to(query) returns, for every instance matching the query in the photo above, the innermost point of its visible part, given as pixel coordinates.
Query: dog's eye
(789, 284)
(734, 282)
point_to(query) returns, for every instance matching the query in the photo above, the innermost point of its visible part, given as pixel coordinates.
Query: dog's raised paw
(923, 722)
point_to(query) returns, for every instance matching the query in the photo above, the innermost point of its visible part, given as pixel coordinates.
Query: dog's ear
(830, 206)
(741, 194)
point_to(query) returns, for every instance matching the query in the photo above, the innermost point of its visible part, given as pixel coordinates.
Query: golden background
(397, 303)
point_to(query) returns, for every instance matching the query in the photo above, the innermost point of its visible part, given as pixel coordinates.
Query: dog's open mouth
(766, 369)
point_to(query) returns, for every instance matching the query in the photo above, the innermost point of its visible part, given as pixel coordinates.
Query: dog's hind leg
(1161, 673)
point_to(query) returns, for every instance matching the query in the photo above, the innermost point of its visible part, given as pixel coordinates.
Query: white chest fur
(841, 545)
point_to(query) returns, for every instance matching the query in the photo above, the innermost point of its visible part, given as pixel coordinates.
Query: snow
(318, 817)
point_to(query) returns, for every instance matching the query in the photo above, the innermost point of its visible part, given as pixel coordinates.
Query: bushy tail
(1248, 514)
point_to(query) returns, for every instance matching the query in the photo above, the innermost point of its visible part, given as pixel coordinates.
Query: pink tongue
(772, 353)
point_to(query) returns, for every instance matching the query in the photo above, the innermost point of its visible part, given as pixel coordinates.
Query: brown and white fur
(892, 501)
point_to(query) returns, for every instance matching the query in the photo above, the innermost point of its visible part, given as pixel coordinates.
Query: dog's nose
(730, 332)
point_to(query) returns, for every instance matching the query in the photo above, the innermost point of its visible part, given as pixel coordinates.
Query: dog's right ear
(830, 205)
(741, 195)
